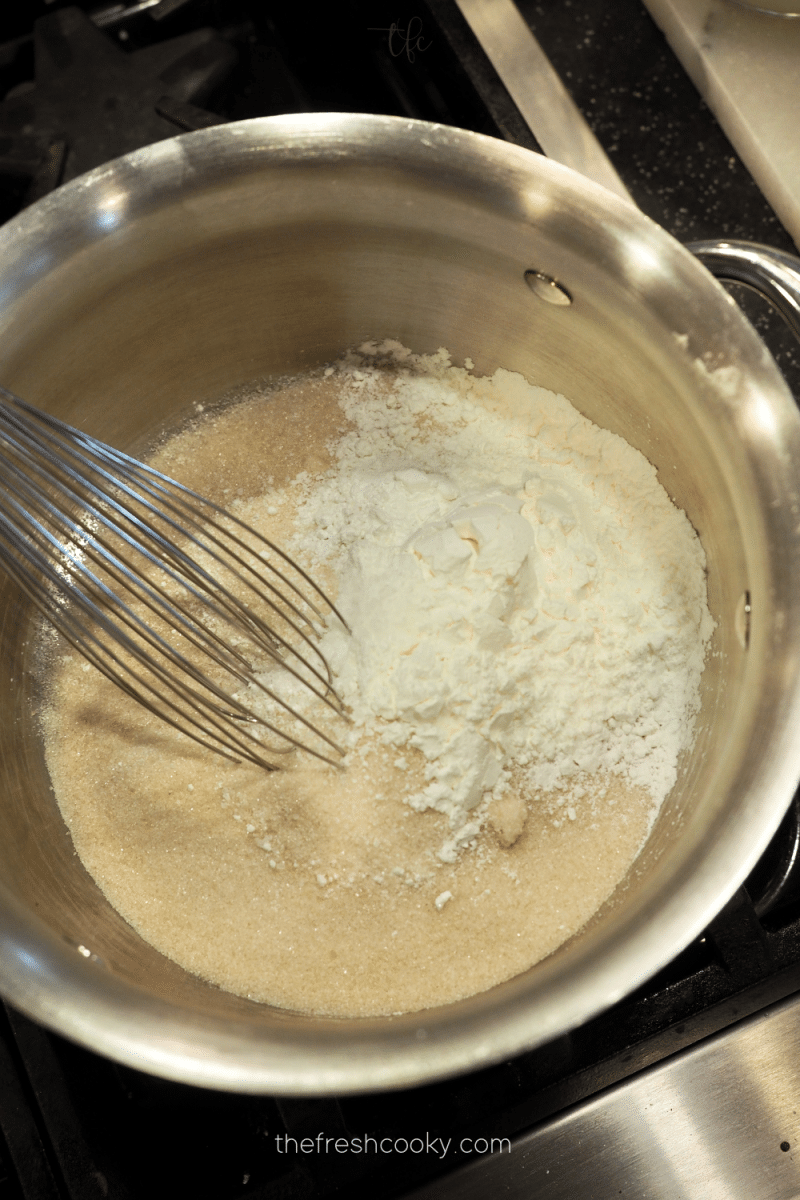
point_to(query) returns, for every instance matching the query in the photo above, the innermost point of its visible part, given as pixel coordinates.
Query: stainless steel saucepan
(256, 249)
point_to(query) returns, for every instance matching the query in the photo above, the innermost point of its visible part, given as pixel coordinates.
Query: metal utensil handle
(772, 273)
(561, 131)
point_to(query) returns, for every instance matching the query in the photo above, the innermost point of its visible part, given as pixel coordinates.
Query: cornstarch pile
(527, 630)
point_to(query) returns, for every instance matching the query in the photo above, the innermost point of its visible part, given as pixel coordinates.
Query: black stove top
(82, 84)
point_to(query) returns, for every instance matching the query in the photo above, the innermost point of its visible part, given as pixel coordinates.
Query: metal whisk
(186, 608)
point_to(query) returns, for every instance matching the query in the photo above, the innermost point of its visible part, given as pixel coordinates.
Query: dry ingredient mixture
(528, 627)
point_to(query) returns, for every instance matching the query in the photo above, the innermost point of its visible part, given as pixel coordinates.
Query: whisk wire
(67, 439)
(83, 639)
(70, 504)
(97, 653)
(211, 590)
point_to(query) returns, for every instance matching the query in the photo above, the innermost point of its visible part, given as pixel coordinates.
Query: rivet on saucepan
(547, 288)
(741, 621)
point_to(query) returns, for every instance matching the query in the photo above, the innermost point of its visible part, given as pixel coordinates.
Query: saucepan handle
(772, 273)
(776, 276)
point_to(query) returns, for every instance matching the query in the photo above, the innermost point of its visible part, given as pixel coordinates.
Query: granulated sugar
(528, 625)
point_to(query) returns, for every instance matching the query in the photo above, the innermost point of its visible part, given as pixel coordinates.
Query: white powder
(528, 608)
(525, 600)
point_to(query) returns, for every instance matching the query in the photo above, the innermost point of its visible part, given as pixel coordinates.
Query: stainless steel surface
(181, 604)
(770, 8)
(547, 289)
(266, 247)
(537, 91)
(717, 1122)
(775, 275)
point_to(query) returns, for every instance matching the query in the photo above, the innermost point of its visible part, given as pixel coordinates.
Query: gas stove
(639, 1100)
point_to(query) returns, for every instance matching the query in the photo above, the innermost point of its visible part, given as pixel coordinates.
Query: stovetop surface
(74, 1125)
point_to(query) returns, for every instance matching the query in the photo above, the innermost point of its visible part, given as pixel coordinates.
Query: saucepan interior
(255, 250)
